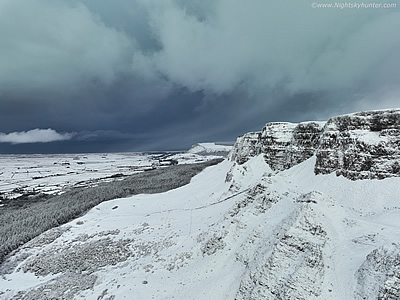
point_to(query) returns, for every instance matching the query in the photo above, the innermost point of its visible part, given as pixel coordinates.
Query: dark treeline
(21, 224)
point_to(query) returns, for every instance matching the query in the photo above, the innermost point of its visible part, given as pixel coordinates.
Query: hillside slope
(243, 229)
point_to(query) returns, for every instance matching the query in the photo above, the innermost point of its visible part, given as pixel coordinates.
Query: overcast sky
(135, 75)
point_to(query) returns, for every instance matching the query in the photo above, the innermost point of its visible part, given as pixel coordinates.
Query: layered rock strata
(363, 145)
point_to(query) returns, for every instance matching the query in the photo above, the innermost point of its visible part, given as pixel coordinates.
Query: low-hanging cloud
(275, 43)
(210, 46)
(34, 136)
(135, 66)
(51, 45)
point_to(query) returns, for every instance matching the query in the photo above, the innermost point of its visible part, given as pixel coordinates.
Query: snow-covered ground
(50, 174)
(236, 231)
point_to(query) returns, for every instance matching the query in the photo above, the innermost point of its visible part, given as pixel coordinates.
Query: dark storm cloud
(165, 74)
(55, 44)
(268, 43)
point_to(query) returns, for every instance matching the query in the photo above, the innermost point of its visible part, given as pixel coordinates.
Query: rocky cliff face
(246, 146)
(283, 144)
(316, 237)
(363, 145)
(303, 257)
(288, 145)
(275, 142)
(294, 267)
(379, 276)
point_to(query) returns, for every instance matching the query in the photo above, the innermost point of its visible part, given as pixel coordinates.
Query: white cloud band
(34, 136)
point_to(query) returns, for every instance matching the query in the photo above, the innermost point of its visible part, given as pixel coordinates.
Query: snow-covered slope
(237, 231)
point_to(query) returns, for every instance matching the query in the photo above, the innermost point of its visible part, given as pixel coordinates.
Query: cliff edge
(362, 145)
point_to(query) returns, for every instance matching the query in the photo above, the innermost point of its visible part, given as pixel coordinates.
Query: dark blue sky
(141, 75)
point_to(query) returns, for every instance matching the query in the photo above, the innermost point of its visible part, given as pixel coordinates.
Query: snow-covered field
(51, 174)
(234, 232)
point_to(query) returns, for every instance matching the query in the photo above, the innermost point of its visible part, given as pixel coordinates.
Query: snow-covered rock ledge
(361, 145)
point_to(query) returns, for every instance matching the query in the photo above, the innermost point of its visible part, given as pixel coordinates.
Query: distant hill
(217, 149)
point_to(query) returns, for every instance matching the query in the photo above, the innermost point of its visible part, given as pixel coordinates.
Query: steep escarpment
(295, 267)
(327, 235)
(306, 236)
(363, 145)
(283, 144)
(303, 142)
(246, 146)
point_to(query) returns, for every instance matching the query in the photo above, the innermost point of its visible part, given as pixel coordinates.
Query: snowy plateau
(297, 211)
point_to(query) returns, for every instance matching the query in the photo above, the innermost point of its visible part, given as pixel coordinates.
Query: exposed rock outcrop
(283, 144)
(275, 141)
(363, 145)
(379, 275)
(246, 146)
(294, 268)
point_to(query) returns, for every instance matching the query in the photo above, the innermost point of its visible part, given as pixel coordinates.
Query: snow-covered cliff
(361, 145)
(358, 146)
(272, 222)
(283, 144)
(246, 146)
